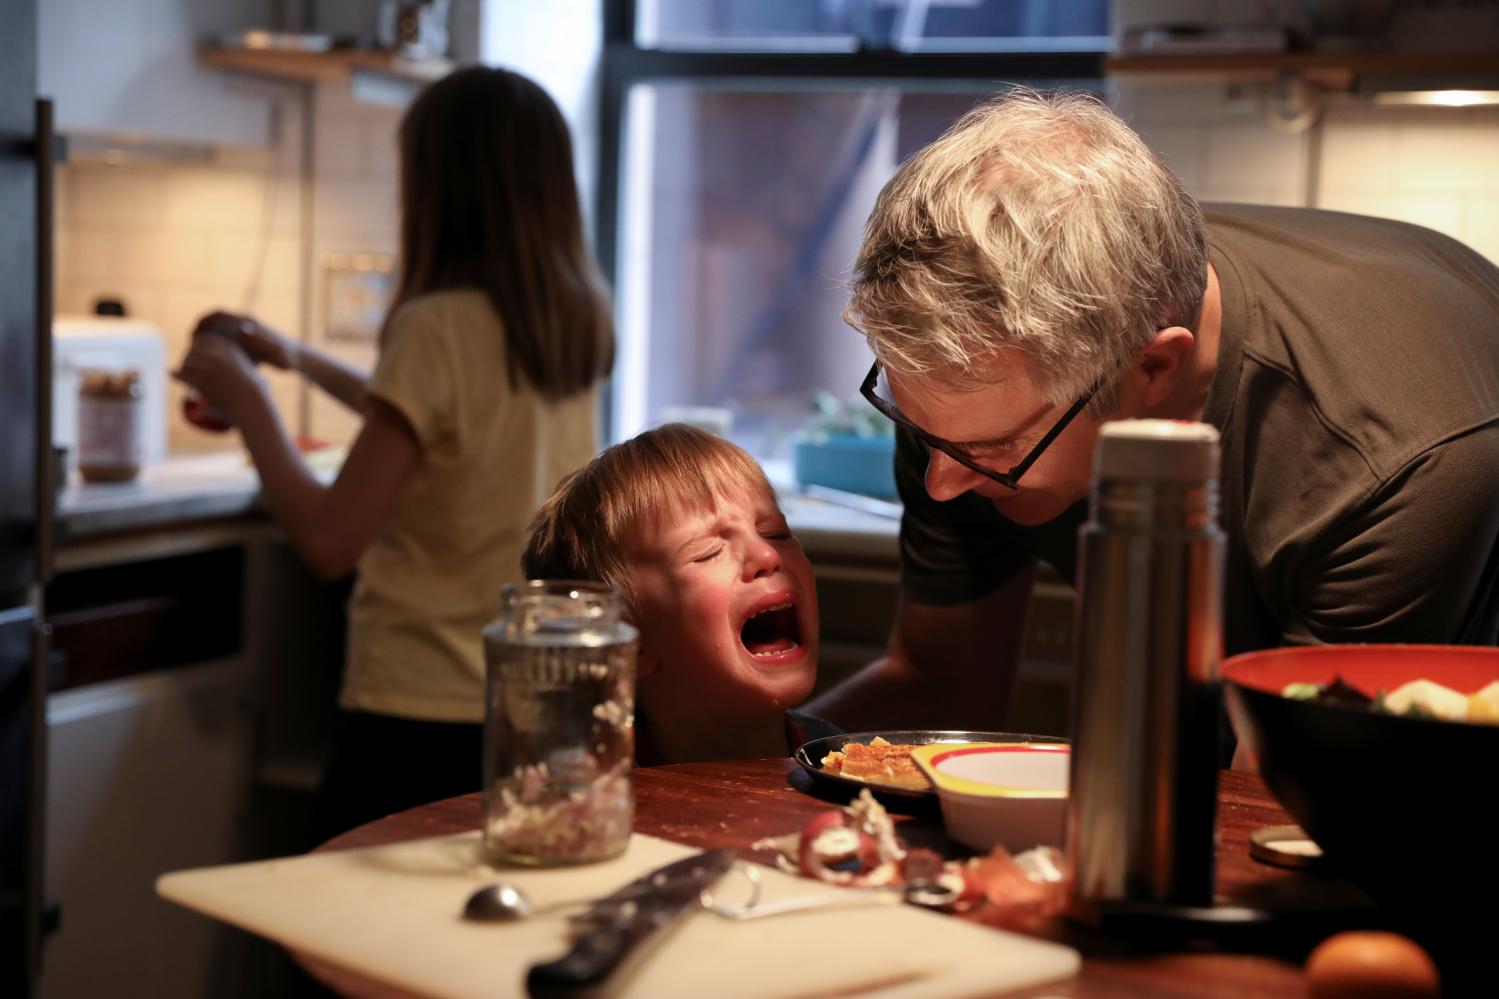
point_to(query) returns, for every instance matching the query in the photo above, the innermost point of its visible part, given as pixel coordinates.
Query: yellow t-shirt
(430, 580)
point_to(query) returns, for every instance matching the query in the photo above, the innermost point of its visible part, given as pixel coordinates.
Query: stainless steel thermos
(1146, 705)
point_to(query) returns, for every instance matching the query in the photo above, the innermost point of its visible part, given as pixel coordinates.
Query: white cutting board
(391, 913)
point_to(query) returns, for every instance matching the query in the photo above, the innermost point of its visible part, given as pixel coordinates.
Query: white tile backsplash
(214, 199)
(380, 155)
(116, 195)
(1255, 158)
(1434, 211)
(358, 205)
(236, 260)
(1358, 155)
(178, 240)
(1181, 148)
(340, 148)
(1480, 224)
(1440, 154)
(1437, 167)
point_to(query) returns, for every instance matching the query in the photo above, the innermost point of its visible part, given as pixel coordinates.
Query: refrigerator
(25, 490)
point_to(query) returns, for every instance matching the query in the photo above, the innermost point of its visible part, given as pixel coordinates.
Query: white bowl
(1013, 793)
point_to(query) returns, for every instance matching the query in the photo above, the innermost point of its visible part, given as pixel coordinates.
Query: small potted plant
(846, 445)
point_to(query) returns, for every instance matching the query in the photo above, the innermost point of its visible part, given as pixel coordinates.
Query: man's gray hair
(1037, 221)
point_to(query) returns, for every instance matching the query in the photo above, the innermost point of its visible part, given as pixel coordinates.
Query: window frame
(625, 64)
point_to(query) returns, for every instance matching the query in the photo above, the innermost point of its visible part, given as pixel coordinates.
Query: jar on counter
(111, 444)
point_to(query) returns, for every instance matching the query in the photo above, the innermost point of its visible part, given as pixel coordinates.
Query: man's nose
(947, 479)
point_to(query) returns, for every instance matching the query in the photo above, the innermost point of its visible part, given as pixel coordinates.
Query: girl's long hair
(488, 201)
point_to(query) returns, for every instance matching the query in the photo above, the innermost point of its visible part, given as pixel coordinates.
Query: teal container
(848, 462)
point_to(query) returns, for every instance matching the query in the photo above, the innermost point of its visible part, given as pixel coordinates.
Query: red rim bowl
(1407, 808)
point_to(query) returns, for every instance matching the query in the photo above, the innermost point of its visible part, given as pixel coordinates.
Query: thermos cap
(1156, 451)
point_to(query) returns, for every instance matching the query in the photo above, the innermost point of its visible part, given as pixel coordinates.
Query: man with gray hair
(1037, 271)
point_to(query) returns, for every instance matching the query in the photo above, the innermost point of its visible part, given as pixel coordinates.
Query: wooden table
(734, 804)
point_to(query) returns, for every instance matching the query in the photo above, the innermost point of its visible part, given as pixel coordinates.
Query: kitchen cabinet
(146, 774)
(1333, 70)
(193, 684)
(131, 66)
(319, 67)
(149, 730)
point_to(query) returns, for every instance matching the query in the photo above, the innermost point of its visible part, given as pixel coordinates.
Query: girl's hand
(223, 375)
(262, 344)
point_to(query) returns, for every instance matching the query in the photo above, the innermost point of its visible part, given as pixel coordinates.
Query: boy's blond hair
(585, 529)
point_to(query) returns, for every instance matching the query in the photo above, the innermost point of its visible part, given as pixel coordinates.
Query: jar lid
(1156, 451)
(1285, 846)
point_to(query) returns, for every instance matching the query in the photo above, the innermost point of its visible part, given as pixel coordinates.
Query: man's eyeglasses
(876, 389)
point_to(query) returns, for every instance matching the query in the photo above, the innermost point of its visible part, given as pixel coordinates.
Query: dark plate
(809, 755)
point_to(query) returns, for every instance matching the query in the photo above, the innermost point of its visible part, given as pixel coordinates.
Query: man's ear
(1160, 364)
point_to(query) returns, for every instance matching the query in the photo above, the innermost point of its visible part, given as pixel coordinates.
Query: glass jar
(559, 725)
(111, 444)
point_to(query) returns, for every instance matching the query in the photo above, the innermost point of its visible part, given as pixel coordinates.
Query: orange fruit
(1363, 964)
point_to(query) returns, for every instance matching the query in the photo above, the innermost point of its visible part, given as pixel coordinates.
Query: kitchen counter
(188, 488)
(223, 486)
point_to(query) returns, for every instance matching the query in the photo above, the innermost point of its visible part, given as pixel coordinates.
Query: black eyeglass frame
(954, 450)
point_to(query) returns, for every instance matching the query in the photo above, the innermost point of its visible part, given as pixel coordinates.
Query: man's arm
(946, 667)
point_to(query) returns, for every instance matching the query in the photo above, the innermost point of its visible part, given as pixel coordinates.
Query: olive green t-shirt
(1357, 393)
(491, 454)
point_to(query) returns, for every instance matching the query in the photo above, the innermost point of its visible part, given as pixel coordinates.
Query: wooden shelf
(1335, 70)
(318, 67)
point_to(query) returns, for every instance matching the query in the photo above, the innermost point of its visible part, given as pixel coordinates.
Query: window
(744, 143)
(849, 25)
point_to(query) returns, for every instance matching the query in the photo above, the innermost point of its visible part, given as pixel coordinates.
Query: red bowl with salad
(1388, 757)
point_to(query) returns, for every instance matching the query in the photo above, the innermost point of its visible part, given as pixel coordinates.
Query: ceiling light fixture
(1438, 98)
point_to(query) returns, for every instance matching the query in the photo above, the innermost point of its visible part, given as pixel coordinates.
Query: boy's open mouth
(771, 630)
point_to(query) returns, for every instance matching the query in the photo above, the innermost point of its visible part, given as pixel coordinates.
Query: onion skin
(813, 855)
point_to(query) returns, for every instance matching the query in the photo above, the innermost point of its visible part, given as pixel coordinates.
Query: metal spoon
(498, 903)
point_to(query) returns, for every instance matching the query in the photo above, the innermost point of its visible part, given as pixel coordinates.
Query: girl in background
(483, 397)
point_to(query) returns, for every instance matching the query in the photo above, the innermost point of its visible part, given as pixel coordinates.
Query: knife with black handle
(615, 924)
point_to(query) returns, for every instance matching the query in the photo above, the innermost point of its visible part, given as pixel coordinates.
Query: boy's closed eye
(709, 555)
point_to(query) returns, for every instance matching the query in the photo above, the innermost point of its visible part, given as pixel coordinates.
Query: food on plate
(1417, 699)
(1368, 964)
(879, 762)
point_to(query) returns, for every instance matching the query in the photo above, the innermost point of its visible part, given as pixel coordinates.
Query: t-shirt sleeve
(1419, 562)
(416, 376)
(951, 552)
